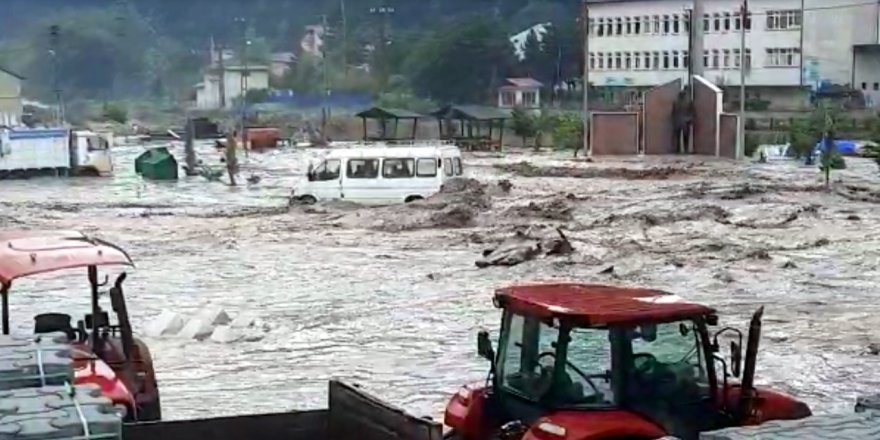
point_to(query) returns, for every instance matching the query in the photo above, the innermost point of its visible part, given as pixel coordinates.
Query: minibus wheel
(412, 199)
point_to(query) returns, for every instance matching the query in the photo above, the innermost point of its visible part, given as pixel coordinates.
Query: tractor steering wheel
(647, 366)
(577, 370)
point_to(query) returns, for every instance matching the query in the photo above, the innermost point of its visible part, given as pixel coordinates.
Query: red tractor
(104, 354)
(594, 362)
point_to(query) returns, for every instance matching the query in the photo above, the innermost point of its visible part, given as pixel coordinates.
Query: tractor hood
(587, 425)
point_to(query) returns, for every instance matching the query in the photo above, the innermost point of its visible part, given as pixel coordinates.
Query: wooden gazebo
(383, 116)
(476, 125)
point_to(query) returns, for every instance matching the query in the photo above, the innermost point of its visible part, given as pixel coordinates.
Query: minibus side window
(447, 166)
(328, 170)
(426, 168)
(362, 169)
(456, 166)
(398, 168)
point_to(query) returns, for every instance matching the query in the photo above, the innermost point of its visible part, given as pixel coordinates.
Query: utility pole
(741, 126)
(54, 34)
(585, 28)
(385, 12)
(696, 59)
(344, 38)
(324, 110)
(221, 65)
(243, 85)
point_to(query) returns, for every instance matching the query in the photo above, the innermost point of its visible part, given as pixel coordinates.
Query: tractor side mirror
(712, 319)
(484, 346)
(735, 358)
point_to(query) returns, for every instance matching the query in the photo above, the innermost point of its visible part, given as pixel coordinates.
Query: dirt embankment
(526, 169)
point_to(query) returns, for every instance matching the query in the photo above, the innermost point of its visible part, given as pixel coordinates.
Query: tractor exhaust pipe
(748, 394)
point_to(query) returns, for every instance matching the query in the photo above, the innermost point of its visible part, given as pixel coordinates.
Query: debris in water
(524, 247)
(788, 265)
(853, 217)
(607, 271)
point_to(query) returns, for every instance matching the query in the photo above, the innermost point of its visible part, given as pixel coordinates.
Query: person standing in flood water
(682, 117)
(231, 157)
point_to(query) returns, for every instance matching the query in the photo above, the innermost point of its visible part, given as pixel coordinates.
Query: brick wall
(614, 133)
(659, 124)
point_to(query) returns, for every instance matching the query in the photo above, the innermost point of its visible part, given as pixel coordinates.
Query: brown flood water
(377, 296)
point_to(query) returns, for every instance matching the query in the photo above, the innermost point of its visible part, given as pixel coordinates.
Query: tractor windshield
(537, 364)
(667, 363)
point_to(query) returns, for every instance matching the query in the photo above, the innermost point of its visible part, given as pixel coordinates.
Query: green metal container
(156, 164)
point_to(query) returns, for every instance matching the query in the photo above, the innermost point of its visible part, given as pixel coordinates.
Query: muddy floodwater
(390, 298)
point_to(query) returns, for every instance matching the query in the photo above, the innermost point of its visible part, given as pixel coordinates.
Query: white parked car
(380, 174)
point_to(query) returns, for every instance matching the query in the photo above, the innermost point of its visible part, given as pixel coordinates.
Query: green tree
(524, 124)
(459, 64)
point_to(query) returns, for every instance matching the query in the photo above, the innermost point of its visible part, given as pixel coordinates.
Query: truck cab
(581, 362)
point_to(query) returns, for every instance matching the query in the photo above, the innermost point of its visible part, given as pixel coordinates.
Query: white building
(520, 92)
(209, 91)
(10, 97)
(791, 45)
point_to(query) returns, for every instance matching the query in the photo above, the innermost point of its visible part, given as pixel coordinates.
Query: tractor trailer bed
(352, 415)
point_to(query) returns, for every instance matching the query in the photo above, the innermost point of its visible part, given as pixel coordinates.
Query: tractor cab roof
(595, 305)
(25, 253)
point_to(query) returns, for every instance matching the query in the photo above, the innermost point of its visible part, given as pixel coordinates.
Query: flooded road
(373, 296)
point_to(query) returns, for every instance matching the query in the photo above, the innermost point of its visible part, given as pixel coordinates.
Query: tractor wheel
(150, 412)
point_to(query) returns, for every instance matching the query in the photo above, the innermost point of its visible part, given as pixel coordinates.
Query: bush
(114, 112)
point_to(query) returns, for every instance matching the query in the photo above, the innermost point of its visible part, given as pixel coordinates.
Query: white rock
(197, 329)
(225, 334)
(167, 323)
(243, 320)
(213, 316)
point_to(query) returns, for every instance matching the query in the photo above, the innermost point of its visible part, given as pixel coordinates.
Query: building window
(529, 99)
(676, 22)
(609, 27)
(705, 22)
(618, 64)
(725, 61)
(600, 61)
(715, 58)
(686, 59)
(736, 58)
(748, 22)
(748, 60)
(736, 21)
(656, 61)
(876, 86)
(637, 25)
(592, 60)
(609, 62)
(706, 59)
(686, 23)
(629, 26)
(618, 26)
(627, 61)
(600, 27)
(666, 24)
(637, 61)
(782, 57)
(647, 56)
(727, 22)
(665, 60)
(864, 86)
(716, 21)
(675, 59)
(782, 20)
(507, 99)
(656, 24)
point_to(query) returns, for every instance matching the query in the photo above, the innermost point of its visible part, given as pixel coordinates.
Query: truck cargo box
(34, 149)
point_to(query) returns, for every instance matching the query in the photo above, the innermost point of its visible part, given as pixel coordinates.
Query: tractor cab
(104, 353)
(580, 362)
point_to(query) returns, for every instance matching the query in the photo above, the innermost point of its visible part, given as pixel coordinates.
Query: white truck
(26, 152)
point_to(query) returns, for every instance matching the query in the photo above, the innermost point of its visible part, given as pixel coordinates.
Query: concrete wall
(867, 74)
(707, 112)
(728, 135)
(614, 133)
(658, 124)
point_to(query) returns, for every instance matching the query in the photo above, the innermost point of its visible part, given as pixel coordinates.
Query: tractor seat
(54, 322)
